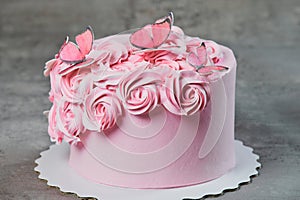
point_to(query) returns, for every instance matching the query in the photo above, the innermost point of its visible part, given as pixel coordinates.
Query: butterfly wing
(193, 60)
(70, 53)
(207, 70)
(142, 38)
(69, 68)
(153, 35)
(199, 58)
(160, 32)
(85, 40)
(202, 54)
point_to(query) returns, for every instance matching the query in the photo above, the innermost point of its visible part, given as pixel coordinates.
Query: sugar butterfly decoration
(198, 59)
(76, 53)
(153, 35)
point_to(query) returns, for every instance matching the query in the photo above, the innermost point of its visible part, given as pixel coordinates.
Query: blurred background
(264, 34)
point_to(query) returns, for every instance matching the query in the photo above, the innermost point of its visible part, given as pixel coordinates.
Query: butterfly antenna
(171, 15)
(89, 28)
(66, 39)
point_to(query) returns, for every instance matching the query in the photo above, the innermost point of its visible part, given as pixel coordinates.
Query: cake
(146, 108)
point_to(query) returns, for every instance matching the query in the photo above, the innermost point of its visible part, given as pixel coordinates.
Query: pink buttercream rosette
(91, 97)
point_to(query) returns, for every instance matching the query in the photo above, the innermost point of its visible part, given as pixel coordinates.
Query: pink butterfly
(199, 59)
(74, 54)
(153, 35)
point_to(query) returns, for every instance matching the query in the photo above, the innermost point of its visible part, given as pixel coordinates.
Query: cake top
(94, 81)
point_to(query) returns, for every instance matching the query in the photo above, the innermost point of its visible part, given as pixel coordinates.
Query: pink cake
(150, 108)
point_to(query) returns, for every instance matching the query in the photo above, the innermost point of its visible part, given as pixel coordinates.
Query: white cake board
(53, 167)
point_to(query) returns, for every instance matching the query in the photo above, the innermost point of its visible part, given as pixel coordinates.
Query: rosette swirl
(112, 49)
(69, 120)
(138, 90)
(185, 93)
(51, 64)
(76, 85)
(65, 122)
(213, 51)
(54, 133)
(55, 93)
(101, 110)
(107, 79)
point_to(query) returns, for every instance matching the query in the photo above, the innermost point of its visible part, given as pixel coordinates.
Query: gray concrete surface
(265, 36)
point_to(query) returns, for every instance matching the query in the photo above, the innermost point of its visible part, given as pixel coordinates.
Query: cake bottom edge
(81, 164)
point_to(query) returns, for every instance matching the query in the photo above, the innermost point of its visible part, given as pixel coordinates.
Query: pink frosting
(112, 51)
(65, 122)
(213, 51)
(138, 90)
(69, 120)
(76, 85)
(53, 131)
(55, 92)
(101, 109)
(49, 65)
(185, 93)
(107, 79)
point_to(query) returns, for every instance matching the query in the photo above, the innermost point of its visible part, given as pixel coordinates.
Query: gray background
(265, 36)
